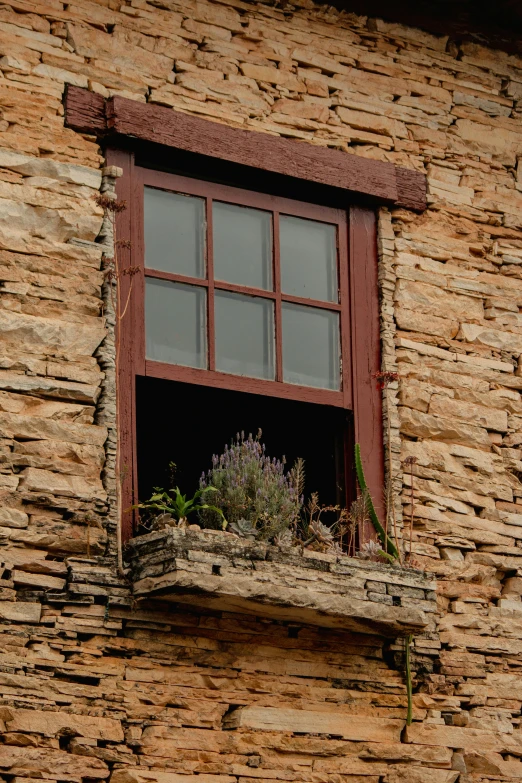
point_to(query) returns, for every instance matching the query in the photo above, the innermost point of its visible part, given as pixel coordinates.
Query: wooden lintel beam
(384, 183)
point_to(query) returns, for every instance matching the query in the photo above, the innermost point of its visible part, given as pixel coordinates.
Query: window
(250, 310)
(245, 291)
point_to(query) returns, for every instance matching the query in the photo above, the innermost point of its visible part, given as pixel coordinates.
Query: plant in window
(314, 533)
(169, 507)
(254, 492)
(387, 544)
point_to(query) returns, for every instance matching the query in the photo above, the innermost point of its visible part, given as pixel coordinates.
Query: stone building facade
(98, 686)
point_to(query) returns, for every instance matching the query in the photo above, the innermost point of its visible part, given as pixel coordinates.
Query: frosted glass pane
(311, 348)
(174, 232)
(242, 245)
(244, 335)
(175, 323)
(308, 258)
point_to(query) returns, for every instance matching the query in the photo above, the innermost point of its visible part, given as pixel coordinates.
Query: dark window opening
(187, 423)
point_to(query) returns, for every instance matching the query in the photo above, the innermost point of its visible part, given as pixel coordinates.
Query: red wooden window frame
(358, 307)
(212, 193)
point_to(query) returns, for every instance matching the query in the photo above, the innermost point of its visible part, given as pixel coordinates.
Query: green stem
(386, 541)
(409, 685)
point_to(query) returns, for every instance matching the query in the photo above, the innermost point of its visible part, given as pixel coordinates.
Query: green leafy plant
(386, 542)
(250, 487)
(171, 502)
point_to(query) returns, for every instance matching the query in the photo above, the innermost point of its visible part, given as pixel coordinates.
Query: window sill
(219, 571)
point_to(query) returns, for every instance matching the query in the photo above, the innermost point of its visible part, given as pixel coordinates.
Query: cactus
(387, 543)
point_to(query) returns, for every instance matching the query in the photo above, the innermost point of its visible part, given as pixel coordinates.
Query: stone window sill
(219, 571)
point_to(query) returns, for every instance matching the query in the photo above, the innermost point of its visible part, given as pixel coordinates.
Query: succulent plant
(245, 529)
(321, 531)
(284, 539)
(370, 550)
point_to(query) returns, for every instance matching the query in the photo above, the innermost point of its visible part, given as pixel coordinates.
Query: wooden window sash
(275, 206)
(358, 279)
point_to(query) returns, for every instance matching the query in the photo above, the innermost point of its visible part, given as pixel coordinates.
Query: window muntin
(266, 266)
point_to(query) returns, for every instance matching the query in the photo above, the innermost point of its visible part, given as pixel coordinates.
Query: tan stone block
(464, 590)
(411, 320)
(264, 73)
(13, 517)
(63, 539)
(451, 193)
(49, 387)
(503, 144)
(20, 612)
(135, 775)
(424, 349)
(34, 562)
(492, 764)
(358, 728)
(417, 754)
(408, 774)
(33, 333)
(512, 586)
(47, 167)
(436, 301)
(494, 338)
(371, 122)
(424, 425)
(429, 136)
(38, 581)
(54, 764)
(307, 56)
(490, 418)
(415, 396)
(50, 723)
(35, 428)
(457, 737)
(92, 43)
(302, 109)
(72, 458)
(36, 480)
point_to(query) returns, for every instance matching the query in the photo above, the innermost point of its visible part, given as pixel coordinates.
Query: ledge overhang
(376, 181)
(220, 571)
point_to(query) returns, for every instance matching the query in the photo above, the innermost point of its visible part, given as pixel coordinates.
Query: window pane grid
(327, 282)
(241, 289)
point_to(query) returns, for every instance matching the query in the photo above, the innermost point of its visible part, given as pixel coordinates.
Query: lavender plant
(253, 491)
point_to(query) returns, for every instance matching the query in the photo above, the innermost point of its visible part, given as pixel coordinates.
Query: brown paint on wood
(380, 181)
(85, 111)
(242, 383)
(366, 354)
(274, 205)
(126, 375)
(360, 337)
(411, 188)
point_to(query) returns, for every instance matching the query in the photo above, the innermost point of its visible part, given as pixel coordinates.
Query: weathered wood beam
(381, 182)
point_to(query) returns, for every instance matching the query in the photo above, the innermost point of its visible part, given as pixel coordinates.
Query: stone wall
(95, 687)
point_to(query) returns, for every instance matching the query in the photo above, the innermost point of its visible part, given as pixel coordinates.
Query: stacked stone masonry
(221, 571)
(97, 686)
